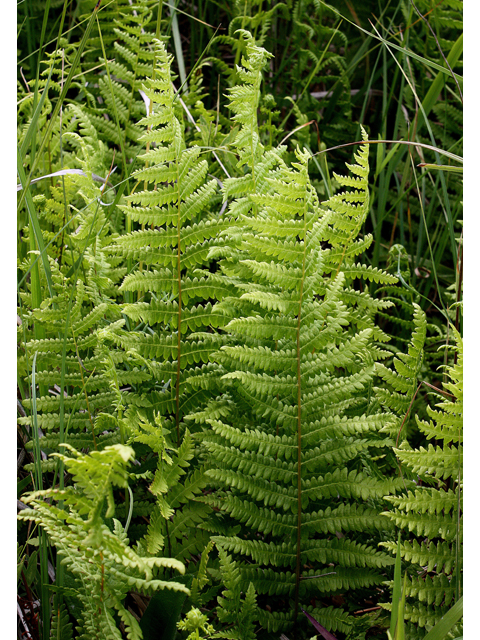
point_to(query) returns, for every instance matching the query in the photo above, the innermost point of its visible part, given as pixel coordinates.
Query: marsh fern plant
(285, 441)
(98, 556)
(173, 285)
(430, 515)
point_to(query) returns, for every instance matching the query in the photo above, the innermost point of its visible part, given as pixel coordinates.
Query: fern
(119, 99)
(239, 614)
(433, 513)
(100, 559)
(253, 161)
(255, 21)
(196, 622)
(298, 382)
(400, 386)
(176, 514)
(173, 297)
(61, 626)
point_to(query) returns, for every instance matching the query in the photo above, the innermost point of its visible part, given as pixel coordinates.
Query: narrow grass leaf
(397, 586)
(440, 167)
(444, 625)
(42, 537)
(32, 214)
(325, 634)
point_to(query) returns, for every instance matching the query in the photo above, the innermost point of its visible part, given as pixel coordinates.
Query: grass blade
(397, 586)
(444, 625)
(42, 536)
(32, 127)
(178, 47)
(35, 225)
(400, 629)
(440, 167)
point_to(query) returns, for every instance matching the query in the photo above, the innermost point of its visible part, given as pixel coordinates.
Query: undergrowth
(233, 343)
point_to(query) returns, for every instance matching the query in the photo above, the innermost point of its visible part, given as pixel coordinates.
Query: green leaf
(444, 625)
(159, 622)
(397, 579)
(22, 484)
(400, 630)
(441, 167)
(32, 214)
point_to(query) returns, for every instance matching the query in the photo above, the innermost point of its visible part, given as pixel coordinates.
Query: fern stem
(157, 30)
(179, 328)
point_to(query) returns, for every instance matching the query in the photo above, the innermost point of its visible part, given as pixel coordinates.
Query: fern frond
(103, 564)
(434, 515)
(297, 368)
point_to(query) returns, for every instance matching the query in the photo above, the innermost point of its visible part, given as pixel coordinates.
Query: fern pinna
(285, 442)
(430, 517)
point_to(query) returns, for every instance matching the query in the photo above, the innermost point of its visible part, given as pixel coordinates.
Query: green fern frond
(433, 514)
(101, 560)
(295, 368)
(232, 609)
(173, 283)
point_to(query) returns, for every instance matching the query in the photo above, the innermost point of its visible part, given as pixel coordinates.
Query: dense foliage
(236, 345)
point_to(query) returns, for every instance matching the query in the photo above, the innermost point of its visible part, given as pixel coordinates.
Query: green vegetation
(239, 350)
